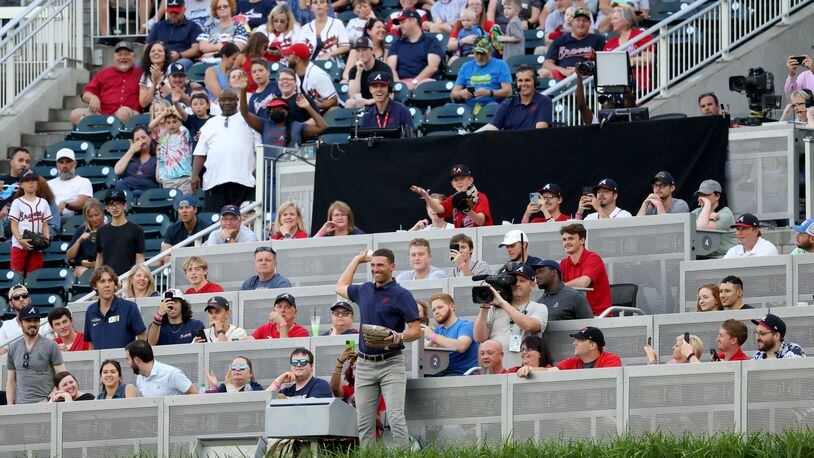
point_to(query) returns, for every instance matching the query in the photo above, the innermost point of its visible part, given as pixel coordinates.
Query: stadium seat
(152, 247)
(83, 151)
(209, 217)
(54, 255)
(140, 120)
(81, 284)
(56, 280)
(401, 93)
(197, 71)
(444, 40)
(484, 115)
(8, 278)
(515, 62)
(455, 67)
(46, 302)
(200, 196)
(389, 4)
(100, 196)
(390, 38)
(330, 67)
(46, 171)
(110, 152)
(624, 294)
(545, 83)
(418, 117)
(100, 176)
(534, 39)
(432, 94)
(96, 129)
(449, 117)
(340, 120)
(154, 224)
(157, 200)
(5, 253)
(69, 227)
(341, 90)
(346, 16)
(335, 139)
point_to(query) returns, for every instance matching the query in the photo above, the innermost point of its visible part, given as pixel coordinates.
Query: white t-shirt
(616, 213)
(316, 83)
(445, 227)
(333, 35)
(234, 333)
(11, 330)
(32, 216)
(763, 247)
(501, 329)
(355, 28)
(70, 190)
(229, 151)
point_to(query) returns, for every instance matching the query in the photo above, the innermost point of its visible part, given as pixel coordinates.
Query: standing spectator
(119, 244)
(490, 358)
(340, 221)
(730, 293)
(661, 200)
(484, 79)
(68, 339)
(265, 91)
(112, 382)
(239, 378)
(311, 79)
(111, 322)
(805, 80)
(804, 238)
(708, 215)
(602, 201)
(196, 270)
(750, 243)
(416, 56)
(547, 208)
(154, 378)
(563, 302)
(365, 63)
(731, 337)
(458, 41)
(155, 76)
(136, 169)
(81, 252)
(114, 90)
(513, 42)
(281, 28)
(386, 113)
(221, 29)
(199, 104)
(770, 332)
(568, 50)
(216, 77)
(28, 213)
(452, 332)
(18, 299)
(420, 261)
(528, 109)
(255, 11)
(341, 320)
(528, 14)
(281, 323)
(220, 330)
(140, 284)
(516, 243)
(70, 190)
(174, 152)
(179, 33)
(708, 104)
(357, 26)
(305, 385)
(31, 362)
(445, 14)
(231, 231)
(265, 266)
(255, 50)
(461, 253)
(582, 268)
(288, 223)
(434, 223)
(173, 323)
(708, 298)
(467, 211)
(534, 356)
(393, 25)
(20, 160)
(226, 149)
(188, 223)
(624, 22)
(326, 36)
(589, 351)
(303, 12)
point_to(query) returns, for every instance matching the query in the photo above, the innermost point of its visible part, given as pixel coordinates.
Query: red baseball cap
(300, 50)
(277, 102)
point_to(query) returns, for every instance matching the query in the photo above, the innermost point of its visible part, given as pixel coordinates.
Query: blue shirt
(177, 232)
(118, 394)
(163, 380)
(193, 125)
(273, 135)
(277, 281)
(178, 37)
(460, 362)
(388, 305)
(259, 100)
(315, 388)
(173, 334)
(512, 115)
(489, 76)
(395, 115)
(256, 13)
(117, 328)
(412, 57)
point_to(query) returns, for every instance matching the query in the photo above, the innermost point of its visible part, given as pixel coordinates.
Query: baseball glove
(465, 201)
(378, 336)
(37, 241)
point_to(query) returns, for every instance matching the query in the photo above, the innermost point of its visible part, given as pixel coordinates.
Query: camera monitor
(389, 132)
(612, 71)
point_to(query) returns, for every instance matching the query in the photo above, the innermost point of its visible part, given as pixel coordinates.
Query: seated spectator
(154, 378)
(31, 362)
(120, 243)
(155, 73)
(528, 109)
(281, 323)
(357, 26)
(602, 201)
(179, 90)
(708, 299)
(239, 378)
(101, 331)
(563, 302)
(730, 293)
(484, 79)
(568, 50)
(173, 323)
(445, 14)
(516, 243)
(661, 201)
(341, 320)
(393, 26)
(547, 207)
(490, 358)
(589, 351)
(348, 391)
(196, 270)
(186, 207)
(326, 36)
(799, 111)
(265, 266)
(19, 160)
(420, 260)
(451, 332)
(254, 11)
(804, 238)
(71, 191)
(385, 112)
(289, 91)
(362, 63)
(112, 384)
(683, 352)
(136, 169)
(750, 242)
(709, 216)
(416, 56)
(423, 312)
(255, 50)
(67, 389)
(770, 332)
(731, 337)
(805, 80)
(68, 339)
(510, 323)
(81, 252)
(467, 211)
(221, 29)
(558, 20)
(114, 90)
(28, 212)
(470, 32)
(301, 375)
(219, 329)
(606, 8)
(303, 12)
(461, 253)
(434, 222)
(459, 42)
(231, 231)
(340, 221)
(708, 104)
(288, 223)
(534, 356)
(281, 28)
(583, 268)
(174, 151)
(216, 77)
(18, 299)
(311, 79)
(512, 42)
(178, 33)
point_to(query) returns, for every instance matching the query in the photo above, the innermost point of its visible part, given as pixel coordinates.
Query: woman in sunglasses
(305, 385)
(239, 377)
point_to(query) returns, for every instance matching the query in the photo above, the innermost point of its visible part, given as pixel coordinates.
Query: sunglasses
(26, 359)
(300, 362)
(340, 313)
(239, 367)
(21, 296)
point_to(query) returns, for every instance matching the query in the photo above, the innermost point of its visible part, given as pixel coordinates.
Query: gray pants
(388, 379)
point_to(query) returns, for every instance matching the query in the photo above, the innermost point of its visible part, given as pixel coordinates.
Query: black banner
(375, 179)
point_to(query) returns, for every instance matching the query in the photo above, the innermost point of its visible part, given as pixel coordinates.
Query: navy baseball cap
(186, 201)
(342, 305)
(123, 45)
(177, 69)
(113, 195)
(460, 170)
(286, 297)
(665, 177)
(175, 6)
(806, 227)
(553, 188)
(590, 333)
(771, 322)
(379, 78)
(217, 302)
(363, 42)
(517, 268)
(746, 220)
(28, 174)
(536, 264)
(230, 210)
(607, 183)
(29, 313)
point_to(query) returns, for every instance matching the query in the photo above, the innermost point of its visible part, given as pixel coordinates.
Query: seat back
(8, 278)
(534, 38)
(515, 62)
(484, 115)
(83, 150)
(46, 302)
(54, 255)
(340, 120)
(197, 71)
(330, 67)
(455, 66)
(447, 117)
(624, 294)
(97, 129)
(401, 93)
(100, 176)
(131, 124)
(432, 93)
(56, 280)
(110, 152)
(157, 199)
(154, 224)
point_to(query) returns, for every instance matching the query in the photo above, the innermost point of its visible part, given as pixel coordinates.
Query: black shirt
(119, 245)
(566, 303)
(193, 125)
(177, 233)
(87, 249)
(378, 66)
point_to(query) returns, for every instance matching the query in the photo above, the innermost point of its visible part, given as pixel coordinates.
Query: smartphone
(649, 341)
(471, 90)
(168, 295)
(200, 333)
(687, 337)
(799, 59)
(455, 247)
(586, 190)
(534, 197)
(350, 345)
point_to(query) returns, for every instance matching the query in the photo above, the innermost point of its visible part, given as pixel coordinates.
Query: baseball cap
(123, 45)
(518, 268)
(590, 333)
(342, 305)
(665, 177)
(65, 152)
(607, 183)
(363, 42)
(771, 322)
(408, 13)
(277, 102)
(483, 45)
(538, 263)
(513, 237)
(28, 174)
(300, 50)
(217, 302)
(806, 227)
(459, 170)
(708, 187)
(286, 297)
(16, 288)
(176, 293)
(230, 210)
(552, 188)
(583, 12)
(29, 312)
(115, 195)
(746, 220)
(379, 78)
(186, 201)
(175, 6)
(177, 69)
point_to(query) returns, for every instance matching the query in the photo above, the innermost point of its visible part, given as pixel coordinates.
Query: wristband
(275, 385)
(158, 318)
(157, 323)
(433, 337)
(337, 373)
(462, 265)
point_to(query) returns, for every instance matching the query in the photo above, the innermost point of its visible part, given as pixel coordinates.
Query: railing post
(726, 30)
(809, 174)
(785, 8)
(79, 31)
(664, 61)
(9, 72)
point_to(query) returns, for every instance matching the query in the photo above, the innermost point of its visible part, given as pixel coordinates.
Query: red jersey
(642, 77)
(208, 287)
(116, 89)
(461, 220)
(78, 344)
(605, 360)
(590, 265)
(543, 219)
(300, 234)
(269, 331)
(738, 356)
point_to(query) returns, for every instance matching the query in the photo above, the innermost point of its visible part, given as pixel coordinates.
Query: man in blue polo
(188, 224)
(526, 110)
(483, 80)
(111, 322)
(386, 113)
(178, 33)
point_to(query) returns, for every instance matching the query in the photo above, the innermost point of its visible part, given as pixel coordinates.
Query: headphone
(527, 68)
(810, 100)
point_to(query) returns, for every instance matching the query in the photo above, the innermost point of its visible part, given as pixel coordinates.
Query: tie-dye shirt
(174, 154)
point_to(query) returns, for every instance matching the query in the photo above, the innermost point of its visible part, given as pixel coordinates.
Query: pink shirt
(804, 80)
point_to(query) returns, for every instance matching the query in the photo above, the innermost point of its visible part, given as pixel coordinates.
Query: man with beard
(804, 238)
(70, 190)
(563, 302)
(111, 322)
(452, 332)
(661, 200)
(152, 377)
(226, 149)
(770, 332)
(603, 201)
(173, 323)
(18, 299)
(311, 79)
(32, 362)
(114, 90)
(119, 244)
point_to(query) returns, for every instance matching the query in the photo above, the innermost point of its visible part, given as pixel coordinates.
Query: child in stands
(469, 28)
(28, 212)
(174, 151)
(356, 26)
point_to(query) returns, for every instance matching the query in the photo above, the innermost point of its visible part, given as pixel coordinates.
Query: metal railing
(47, 34)
(122, 19)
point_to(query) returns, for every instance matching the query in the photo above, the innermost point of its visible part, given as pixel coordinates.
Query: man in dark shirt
(173, 323)
(256, 12)
(527, 110)
(302, 376)
(358, 88)
(386, 113)
(568, 50)
(187, 224)
(178, 33)
(415, 57)
(563, 302)
(119, 244)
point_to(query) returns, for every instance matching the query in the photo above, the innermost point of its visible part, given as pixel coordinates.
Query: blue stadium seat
(534, 38)
(455, 67)
(83, 150)
(157, 200)
(110, 152)
(197, 71)
(100, 176)
(340, 120)
(81, 284)
(46, 171)
(341, 90)
(154, 224)
(8, 278)
(444, 40)
(484, 115)
(545, 83)
(390, 38)
(330, 67)
(46, 302)
(418, 117)
(401, 93)
(54, 255)
(152, 247)
(431, 94)
(96, 129)
(451, 116)
(346, 16)
(69, 227)
(139, 120)
(527, 59)
(5, 253)
(55, 280)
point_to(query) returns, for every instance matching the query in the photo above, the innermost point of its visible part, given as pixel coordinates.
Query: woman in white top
(434, 223)
(325, 35)
(154, 74)
(282, 30)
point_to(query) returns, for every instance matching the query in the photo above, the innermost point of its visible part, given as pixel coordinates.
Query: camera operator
(802, 105)
(626, 100)
(569, 50)
(805, 80)
(510, 323)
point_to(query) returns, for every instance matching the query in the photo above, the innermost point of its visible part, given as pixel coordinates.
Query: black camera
(759, 90)
(586, 68)
(501, 282)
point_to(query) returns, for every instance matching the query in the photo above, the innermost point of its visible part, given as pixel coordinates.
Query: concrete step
(42, 140)
(60, 115)
(53, 126)
(72, 102)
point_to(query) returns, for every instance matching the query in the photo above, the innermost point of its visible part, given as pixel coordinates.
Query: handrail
(19, 17)
(621, 310)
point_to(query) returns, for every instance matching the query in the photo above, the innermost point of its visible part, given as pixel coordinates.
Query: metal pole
(809, 174)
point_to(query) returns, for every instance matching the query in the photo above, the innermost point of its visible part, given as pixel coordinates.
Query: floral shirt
(174, 154)
(787, 350)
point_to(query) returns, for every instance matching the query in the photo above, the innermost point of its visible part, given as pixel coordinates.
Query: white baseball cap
(65, 152)
(513, 237)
